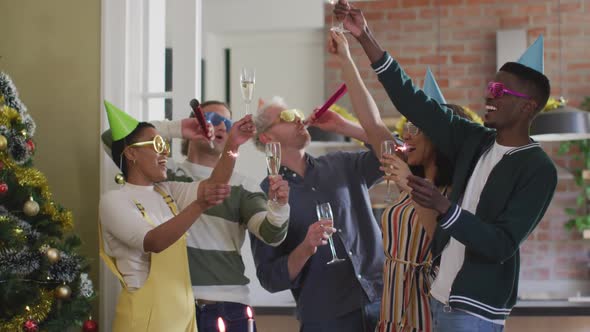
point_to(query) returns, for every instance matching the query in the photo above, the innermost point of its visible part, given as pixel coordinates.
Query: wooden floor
(514, 324)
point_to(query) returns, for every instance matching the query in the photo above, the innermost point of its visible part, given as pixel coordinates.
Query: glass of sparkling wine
(273, 160)
(247, 81)
(339, 27)
(324, 212)
(388, 147)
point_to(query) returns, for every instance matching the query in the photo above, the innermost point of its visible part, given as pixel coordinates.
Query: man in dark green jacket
(502, 185)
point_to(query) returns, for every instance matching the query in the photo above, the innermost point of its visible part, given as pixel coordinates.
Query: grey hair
(262, 119)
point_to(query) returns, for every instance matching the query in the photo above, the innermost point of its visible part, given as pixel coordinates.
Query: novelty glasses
(497, 90)
(216, 119)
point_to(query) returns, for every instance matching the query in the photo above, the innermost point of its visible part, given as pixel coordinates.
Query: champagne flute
(336, 27)
(324, 212)
(273, 160)
(247, 81)
(388, 147)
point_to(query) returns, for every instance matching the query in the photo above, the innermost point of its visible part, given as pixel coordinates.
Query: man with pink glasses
(502, 183)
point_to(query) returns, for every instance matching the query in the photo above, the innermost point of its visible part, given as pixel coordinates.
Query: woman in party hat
(143, 224)
(407, 227)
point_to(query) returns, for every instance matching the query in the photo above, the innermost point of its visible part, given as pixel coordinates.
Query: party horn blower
(341, 91)
(196, 106)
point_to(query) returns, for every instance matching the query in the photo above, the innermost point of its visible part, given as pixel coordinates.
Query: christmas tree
(44, 285)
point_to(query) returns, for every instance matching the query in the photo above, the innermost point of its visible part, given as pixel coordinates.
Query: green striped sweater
(215, 240)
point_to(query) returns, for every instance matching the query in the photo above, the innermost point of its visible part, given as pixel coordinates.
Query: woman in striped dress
(407, 231)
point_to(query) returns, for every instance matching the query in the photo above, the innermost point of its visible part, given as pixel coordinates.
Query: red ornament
(30, 326)
(3, 188)
(30, 145)
(90, 325)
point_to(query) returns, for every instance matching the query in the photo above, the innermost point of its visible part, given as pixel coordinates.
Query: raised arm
(240, 132)
(446, 130)
(355, 22)
(363, 103)
(335, 123)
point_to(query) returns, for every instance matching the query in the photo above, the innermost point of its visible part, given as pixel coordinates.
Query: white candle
(220, 324)
(250, 320)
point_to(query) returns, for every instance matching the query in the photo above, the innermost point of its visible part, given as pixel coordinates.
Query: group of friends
(445, 256)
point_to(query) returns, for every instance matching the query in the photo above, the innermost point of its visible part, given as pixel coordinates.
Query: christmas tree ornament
(30, 145)
(90, 325)
(31, 208)
(53, 255)
(63, 292)
(3, 188)
(34, 269)
(3, 143)
(119, 179)
(30, 326)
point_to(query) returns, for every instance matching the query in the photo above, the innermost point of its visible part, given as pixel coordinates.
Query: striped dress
(406, 272)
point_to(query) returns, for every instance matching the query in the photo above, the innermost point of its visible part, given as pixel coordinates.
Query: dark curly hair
(444, 166)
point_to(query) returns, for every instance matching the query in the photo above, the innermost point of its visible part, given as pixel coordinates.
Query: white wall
(284, 41)
(259, 15)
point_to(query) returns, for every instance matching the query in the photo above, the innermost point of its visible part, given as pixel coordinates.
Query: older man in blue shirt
(343, 296)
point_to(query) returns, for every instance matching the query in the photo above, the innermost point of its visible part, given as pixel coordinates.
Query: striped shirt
(216, 238)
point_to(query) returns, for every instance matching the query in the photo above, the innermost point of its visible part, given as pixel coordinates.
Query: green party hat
(121, 123)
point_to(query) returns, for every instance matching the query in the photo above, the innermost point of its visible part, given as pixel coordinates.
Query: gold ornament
(119, 179)
(24, 133)
(63, 292)
(3, 142)
(30, 177)
(53, 255)
(31, 208)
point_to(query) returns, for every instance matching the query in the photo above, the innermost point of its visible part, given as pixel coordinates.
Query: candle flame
(220, 324)
(249, 312)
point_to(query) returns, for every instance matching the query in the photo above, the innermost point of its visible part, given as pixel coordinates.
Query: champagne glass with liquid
(324, 212)
(338, 27)
(388, 147)
(273, 160)
(247, 81)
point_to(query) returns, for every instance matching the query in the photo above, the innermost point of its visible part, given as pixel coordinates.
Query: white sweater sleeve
(183, 193)
(122, 219)
(169, 129)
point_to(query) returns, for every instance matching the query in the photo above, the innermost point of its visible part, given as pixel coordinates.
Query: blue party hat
(533, 56)
(431, 88)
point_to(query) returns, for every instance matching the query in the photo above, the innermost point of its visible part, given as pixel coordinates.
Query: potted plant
(579, 215)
